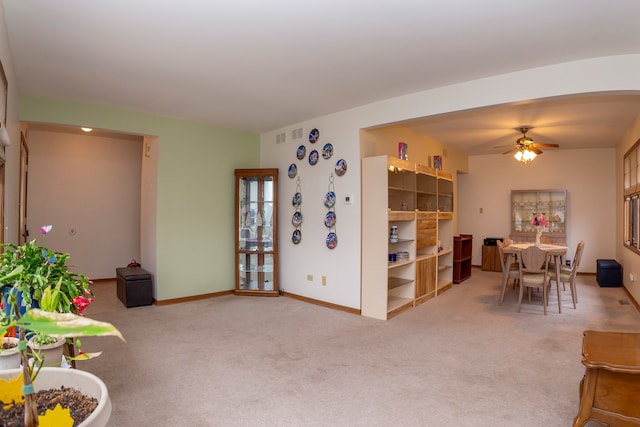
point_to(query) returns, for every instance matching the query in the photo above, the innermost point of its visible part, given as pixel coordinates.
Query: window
(632, 197)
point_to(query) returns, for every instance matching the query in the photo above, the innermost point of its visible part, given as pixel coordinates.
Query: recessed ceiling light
(86, 129)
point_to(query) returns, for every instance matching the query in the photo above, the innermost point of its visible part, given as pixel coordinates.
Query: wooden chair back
(578, 256)
(533, 260)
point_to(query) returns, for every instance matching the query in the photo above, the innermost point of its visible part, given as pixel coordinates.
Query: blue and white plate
(296, 220)
(297, 199)
(330, 199)
(296, 237)
(302, 151)
(332, 240)
(330, 219)
(341, 167)
(313, 157)
(293, 170)
(327, 151)
(314, 135)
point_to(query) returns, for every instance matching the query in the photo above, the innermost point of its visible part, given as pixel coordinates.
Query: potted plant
(29, 269)
(20, 383)
(40, 277)
(32, 276)
(9, 353)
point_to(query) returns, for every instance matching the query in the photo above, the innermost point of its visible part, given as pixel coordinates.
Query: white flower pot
(89, 384)
(10, 358)
(50, 353)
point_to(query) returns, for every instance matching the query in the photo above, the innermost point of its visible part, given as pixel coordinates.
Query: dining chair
(568, 273)
(510, 270)
(508, 241)
(533, 268)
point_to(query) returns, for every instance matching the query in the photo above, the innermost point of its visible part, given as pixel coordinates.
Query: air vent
(296, 134)
(281, 138)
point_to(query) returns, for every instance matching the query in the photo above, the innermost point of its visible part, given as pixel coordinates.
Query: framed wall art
(437, 162)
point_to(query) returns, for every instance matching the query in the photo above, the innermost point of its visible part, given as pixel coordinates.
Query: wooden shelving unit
(402, 194)
(462, 254)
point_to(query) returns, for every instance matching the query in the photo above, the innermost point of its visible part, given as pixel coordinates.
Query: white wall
(589, 176)
(341, 128)
(340, 266)
(90, 184)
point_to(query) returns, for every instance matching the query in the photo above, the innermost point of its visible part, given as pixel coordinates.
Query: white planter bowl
(51, 353)
(10, 358)
(83, 381)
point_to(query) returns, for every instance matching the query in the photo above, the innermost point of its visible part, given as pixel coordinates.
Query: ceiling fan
(526, 149)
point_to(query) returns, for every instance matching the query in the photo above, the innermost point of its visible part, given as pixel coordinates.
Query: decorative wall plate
(302, 151)
(296, 220)
(327, 151)
(330, 199)
(297, 199)
(332, 240)
(313, 157)
(293, 170)
(330, 219)
(341, 167)
(314, 135)
(296, 237)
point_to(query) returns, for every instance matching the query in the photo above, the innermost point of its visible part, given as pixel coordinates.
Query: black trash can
(608, 273)
(134, 286)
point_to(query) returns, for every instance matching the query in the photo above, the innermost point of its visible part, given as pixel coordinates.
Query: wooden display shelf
(395, 264)
(396, 305)
(401, 216)
(396, 282)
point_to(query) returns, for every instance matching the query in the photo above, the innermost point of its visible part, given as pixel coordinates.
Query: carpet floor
(457, 360)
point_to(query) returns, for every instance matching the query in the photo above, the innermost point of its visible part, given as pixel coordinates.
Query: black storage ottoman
(609, 273)
(134, 286)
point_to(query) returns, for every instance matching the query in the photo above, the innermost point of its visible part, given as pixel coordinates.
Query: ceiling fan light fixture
(525, 155)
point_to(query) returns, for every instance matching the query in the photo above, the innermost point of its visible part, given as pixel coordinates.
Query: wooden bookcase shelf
(462, 254)
(418, 200)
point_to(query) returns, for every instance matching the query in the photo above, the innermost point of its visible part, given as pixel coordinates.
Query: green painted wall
(195, 189)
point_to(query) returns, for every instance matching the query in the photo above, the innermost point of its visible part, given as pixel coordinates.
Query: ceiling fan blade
(535, 144)
(503, 146)
(535, 150)
(510, 151)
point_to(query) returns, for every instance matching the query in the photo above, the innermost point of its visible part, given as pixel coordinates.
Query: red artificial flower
(81, 303)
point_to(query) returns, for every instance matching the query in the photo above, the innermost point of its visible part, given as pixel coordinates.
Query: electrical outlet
(310, 277)
(324, 280)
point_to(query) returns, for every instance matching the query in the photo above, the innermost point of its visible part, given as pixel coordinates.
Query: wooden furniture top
(514, 248)
(612, 351)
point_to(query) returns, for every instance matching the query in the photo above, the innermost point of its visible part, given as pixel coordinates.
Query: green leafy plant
(30, 276)
(29, 269)
(47, 324)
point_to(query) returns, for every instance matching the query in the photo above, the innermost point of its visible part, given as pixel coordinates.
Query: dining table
(555, 252)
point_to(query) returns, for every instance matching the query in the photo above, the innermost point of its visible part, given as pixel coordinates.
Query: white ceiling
(259, 65)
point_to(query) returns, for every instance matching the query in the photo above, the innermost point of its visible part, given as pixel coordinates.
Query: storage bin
(608, 273)
(134, 287)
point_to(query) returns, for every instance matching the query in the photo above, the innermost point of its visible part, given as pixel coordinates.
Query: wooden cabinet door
(425, 279)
